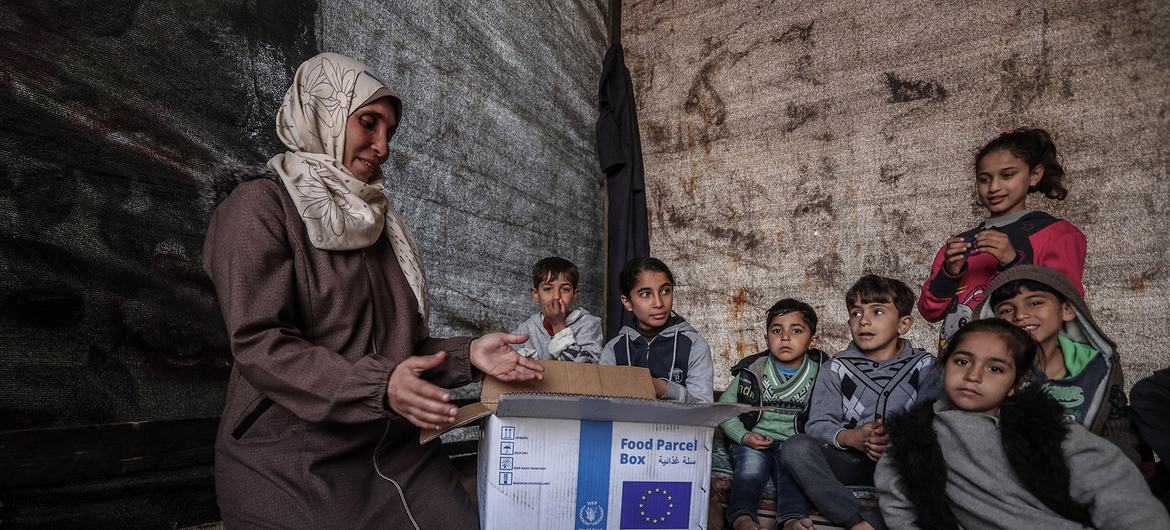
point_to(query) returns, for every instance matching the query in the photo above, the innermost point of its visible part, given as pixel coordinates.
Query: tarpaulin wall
(115, 112)
(791, 147)
(113, 358)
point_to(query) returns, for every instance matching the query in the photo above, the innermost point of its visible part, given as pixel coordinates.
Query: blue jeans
(752, 470)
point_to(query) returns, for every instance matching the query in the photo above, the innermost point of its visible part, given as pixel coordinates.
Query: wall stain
(1020, 85)
(900, 220)
(890, 175)
(741, 347)
(804, 70)
(747, 240)
(690, 185)
(1066, 87)
(703, 97)
(828, 169)
(797, 32)
(826, 270)
(798, 115)
(1104, 35)
(669, 215)
(818, 201)
(737, 304)
(907, 90)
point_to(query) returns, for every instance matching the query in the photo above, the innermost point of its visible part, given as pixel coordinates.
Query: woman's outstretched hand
(494, 356)
(420, 402)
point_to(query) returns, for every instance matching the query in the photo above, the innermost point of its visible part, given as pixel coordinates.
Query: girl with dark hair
(997, 452)
(1009, 168)
(677, 356)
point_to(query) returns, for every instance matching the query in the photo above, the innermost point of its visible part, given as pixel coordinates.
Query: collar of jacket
(815, 354)
(224, 178)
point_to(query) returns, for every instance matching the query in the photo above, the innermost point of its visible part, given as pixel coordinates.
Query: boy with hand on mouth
(879, 375)
(558, 332)
(1077, 364)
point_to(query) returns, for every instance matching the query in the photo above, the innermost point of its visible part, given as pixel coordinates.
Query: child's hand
(659, 387)
(955, 256)
(997, 244)
(756, 441)
(855, 438)
(876, 442)
(555, 313)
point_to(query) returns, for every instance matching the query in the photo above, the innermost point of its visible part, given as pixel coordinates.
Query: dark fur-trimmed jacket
(1032, 427)
(1045, 471)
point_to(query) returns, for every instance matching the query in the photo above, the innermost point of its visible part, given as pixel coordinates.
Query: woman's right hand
(420, 402)
(955, 256)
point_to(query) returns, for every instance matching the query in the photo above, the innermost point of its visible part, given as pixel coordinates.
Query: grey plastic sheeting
(115, 112)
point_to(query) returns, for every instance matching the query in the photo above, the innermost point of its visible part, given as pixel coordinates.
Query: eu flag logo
(656, 504)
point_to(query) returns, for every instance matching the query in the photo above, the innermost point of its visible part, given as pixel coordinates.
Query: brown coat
(315, 335)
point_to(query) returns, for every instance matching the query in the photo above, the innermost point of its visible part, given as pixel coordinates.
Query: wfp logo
(591, 514)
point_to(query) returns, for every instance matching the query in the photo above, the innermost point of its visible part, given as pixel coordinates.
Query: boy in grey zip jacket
(880, 374)
(579, 341)
(556, 332)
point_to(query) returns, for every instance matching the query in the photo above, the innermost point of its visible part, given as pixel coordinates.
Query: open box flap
(560, 377)
(464, 416)
(598, 408)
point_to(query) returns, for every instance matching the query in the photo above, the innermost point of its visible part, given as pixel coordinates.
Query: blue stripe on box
(593, 474)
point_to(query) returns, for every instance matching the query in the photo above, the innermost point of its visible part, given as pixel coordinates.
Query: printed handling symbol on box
(505, 479)
(507, 433)
(506, 448)
(506, 463)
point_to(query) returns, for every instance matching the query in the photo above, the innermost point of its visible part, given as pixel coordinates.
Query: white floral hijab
(339, 210)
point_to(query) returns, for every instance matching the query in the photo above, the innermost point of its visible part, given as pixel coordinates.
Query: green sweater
(775, 424)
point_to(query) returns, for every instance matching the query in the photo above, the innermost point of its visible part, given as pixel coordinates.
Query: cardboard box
(590, 448)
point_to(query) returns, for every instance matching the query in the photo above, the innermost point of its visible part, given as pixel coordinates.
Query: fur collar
(224, 178)
(1032, 429)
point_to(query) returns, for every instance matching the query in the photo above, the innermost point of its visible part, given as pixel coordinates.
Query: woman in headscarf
(325, 301)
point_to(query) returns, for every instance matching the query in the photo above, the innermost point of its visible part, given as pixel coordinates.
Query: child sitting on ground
(879, 375)
(781, 378)
(678, 357)
(1078, 365)
(993, 455)
(558, 332)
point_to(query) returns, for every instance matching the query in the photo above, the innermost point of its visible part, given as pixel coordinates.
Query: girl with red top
(1007, 170)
